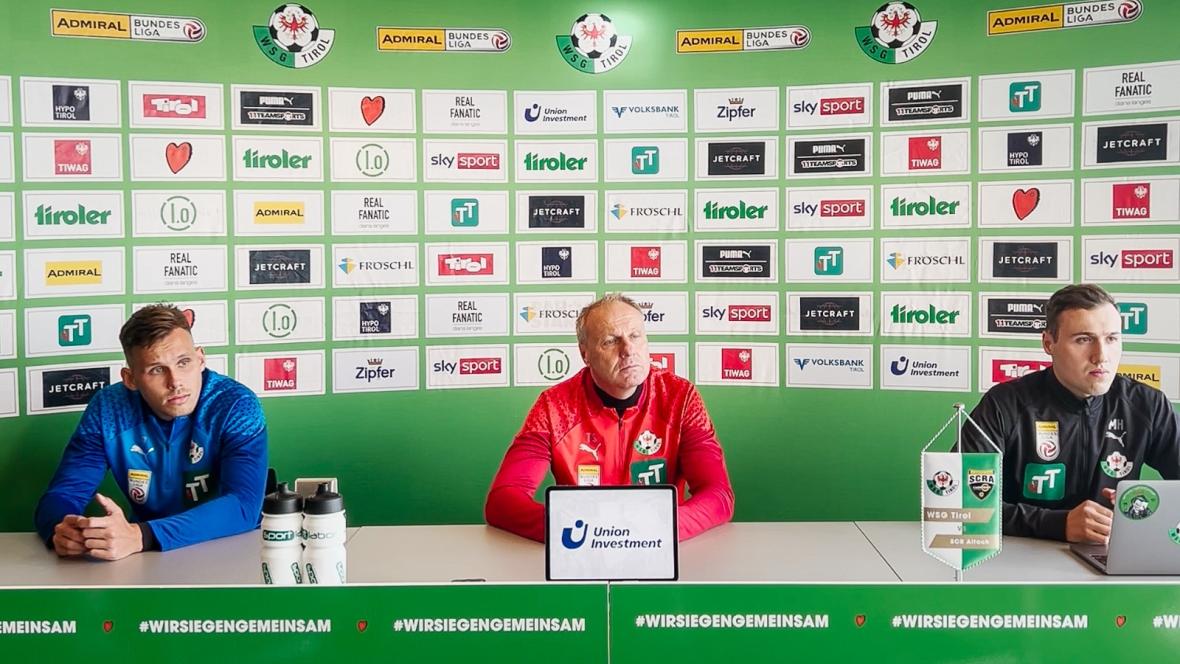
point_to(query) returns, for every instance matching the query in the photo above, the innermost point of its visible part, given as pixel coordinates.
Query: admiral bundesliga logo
(293, 38)
(593, 46)
(897, 34)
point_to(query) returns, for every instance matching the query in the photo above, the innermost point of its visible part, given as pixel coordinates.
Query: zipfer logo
(567, 535)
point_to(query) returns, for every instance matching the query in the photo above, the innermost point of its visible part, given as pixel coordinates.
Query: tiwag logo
(925, 153)
(450, 265)
(471, 366)
(737, 364)
(1004, 370)
(280, 374)
(646, 262)
(71, 157)
(1131, 200)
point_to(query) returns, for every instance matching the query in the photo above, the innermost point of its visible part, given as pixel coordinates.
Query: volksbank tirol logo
(592, 45)
(645, 160)
(1024, 96)
(1134, 315)
(829, 261)
(293, 37)
(74, 330)
(897, 34)
(465, 212)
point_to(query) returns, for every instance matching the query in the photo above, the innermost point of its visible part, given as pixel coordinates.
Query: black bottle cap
(324, 501)
(282, 501)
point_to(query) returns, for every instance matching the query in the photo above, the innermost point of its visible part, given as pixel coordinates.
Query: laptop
(611, 533)
(1144, 533)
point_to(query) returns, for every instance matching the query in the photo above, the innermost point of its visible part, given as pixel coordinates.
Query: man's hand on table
(67, 537)
(108, 537)
(1090, 521)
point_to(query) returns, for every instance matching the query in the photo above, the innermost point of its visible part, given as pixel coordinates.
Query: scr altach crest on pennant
(293, 37)
(981, 482)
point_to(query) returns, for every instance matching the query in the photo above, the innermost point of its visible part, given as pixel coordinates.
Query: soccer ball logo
(895, 24)
(593, 34)
(293, 27)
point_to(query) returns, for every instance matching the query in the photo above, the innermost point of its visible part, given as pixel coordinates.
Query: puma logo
(592, 450)
(1118, 438)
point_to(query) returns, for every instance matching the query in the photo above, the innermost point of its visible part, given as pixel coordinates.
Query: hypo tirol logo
(293, 37)
(897, 34)
(592, 45)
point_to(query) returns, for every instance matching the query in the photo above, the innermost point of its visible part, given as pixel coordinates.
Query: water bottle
(282, 544)
(325, 562)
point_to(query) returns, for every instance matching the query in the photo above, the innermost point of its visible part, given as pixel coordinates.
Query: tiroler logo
(715, 211)
(80, 216)
(536, 162)
(254, 159)
(932, 315)
(72, 273)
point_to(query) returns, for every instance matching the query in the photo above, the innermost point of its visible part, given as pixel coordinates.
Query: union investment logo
(567, 535)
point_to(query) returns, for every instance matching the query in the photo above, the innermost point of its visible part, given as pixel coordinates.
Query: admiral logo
(1004, 370)
(557, 211)
(71, 157)
(177, 107)
(62, 388)
(71, 103)
(745, 158)
(375, 317)
(740, 313)
(736, 364)
(1148, 374)
(1131, 200)
(925, 153)
(829, 156)
(925, 103)
(729, 261)
(829, 314)
(1133, 143)
(280, 266)
(278, 212)
(1029, 260)
(69, 273)
(556, 262)
(465, 264)
(1058, 16)
(1016, 315)
(646, 262)
(471, 366)
(264, 108)
(280, 374)
(1025, 148)
(1134, 316)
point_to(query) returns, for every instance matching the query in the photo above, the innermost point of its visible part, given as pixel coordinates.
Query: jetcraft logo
(745, 158)
(71, 157)
(280, 374)
(1024, 96)
(293, 37)
(737, 364)
(646, 262)
(925, 153)
(72, 273)
(1004, 370)
(1136, 259)
(897, 34)
(176, 107)
(61, 388)
(593, 46)
(645, 160)
(471, 366)
(1033, 260)
(450, 265)
(557, 211)
(281, 266)
(829, 261)
(829, 313)
(1131, 200)
(74, 330)
(1133, 143)
(739, 313)
(1134, 316)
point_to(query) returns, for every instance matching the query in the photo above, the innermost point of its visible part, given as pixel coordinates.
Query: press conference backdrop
(840, 219)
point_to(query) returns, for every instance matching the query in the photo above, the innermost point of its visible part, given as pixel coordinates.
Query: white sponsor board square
(926, 368)
(372, 110)
(177, 158)
(645, 111)
(279, 213)
(647, 262)
(544, 365)
(452, 367)
(556, 112)
(74, 272)
(186, 269)
(70, 102)
(67, 157)
(736, 109)
(66, 215)
(464, 111)
(373, 159)
(177, 213)
(374, 369)
(1026, 204)
(1135, 88)
(156, 104)
(279, 320)
(471, 212)
(1029, 96)
(830, 366)
(374, 317)
(467, 315)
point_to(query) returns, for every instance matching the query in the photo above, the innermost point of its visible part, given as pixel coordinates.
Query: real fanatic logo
(593, 46)
(896, 35)
(293, 37)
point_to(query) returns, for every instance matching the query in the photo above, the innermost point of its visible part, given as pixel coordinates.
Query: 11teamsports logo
(293, 37)
(592, 45)
(897, 34)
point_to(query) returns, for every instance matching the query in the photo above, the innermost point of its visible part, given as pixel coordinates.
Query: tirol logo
(646, 262)
(177, 107)
(567, 535)
(1131, 143)
(981, 482)
(593, 46)
(71, 102)
(932, 315)
(896, 35)
(280, 266)
(464, 212)
(829, 156)
(1024, 96)
(557, 211)
(941, 483)
(1004, 370)
(1031, 260)
(1025, 148)
(715, 211)
(280, 373)
(829, 261)
(80, 216)
(926, 102)
(1134, 315)
(74, 330)
(925, 153)
(741, 261)
(665, 361)
(745, 158)
(376, 317)
(1131, 200)
(645, 160)
(266, 108)
(72, 387)
(553, 364)
(71, 157)
(1116, 465)
(829, 314)
(450, 265)
(556, 262)
(1016, 315)
(293, 37)
(737, 364)
(279, 320)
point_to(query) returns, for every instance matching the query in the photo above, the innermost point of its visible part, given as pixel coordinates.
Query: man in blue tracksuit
(185, 444)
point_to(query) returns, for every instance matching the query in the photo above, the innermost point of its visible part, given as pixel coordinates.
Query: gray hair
(580, 325)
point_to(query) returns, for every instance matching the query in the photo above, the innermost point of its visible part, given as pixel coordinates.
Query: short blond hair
(580, 325)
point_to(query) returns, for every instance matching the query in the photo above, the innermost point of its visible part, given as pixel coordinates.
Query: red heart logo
(190, 316)
(1120, 620)
(107, 625)
(362, 625)
(372, 108)
(860, 620)
(178, 155)
(1024, 201)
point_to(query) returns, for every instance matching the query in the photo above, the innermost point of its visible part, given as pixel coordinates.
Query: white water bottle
(325, 562)
(282, 544)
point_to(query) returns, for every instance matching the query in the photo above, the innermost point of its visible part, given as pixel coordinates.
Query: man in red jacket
(618, 421)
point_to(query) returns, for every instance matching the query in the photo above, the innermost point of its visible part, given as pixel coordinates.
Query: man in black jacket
(1070, 432)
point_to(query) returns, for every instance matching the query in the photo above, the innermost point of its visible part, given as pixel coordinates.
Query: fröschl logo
(567, 535)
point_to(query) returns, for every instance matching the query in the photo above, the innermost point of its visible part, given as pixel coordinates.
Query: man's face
(1087, 349)
(616, 349)
(167, 374)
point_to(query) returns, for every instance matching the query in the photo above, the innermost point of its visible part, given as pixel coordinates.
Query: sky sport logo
(739, 313)
(471, 366)
(1136, 259)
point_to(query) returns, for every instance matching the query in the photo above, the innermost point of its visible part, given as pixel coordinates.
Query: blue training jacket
(204, 481)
